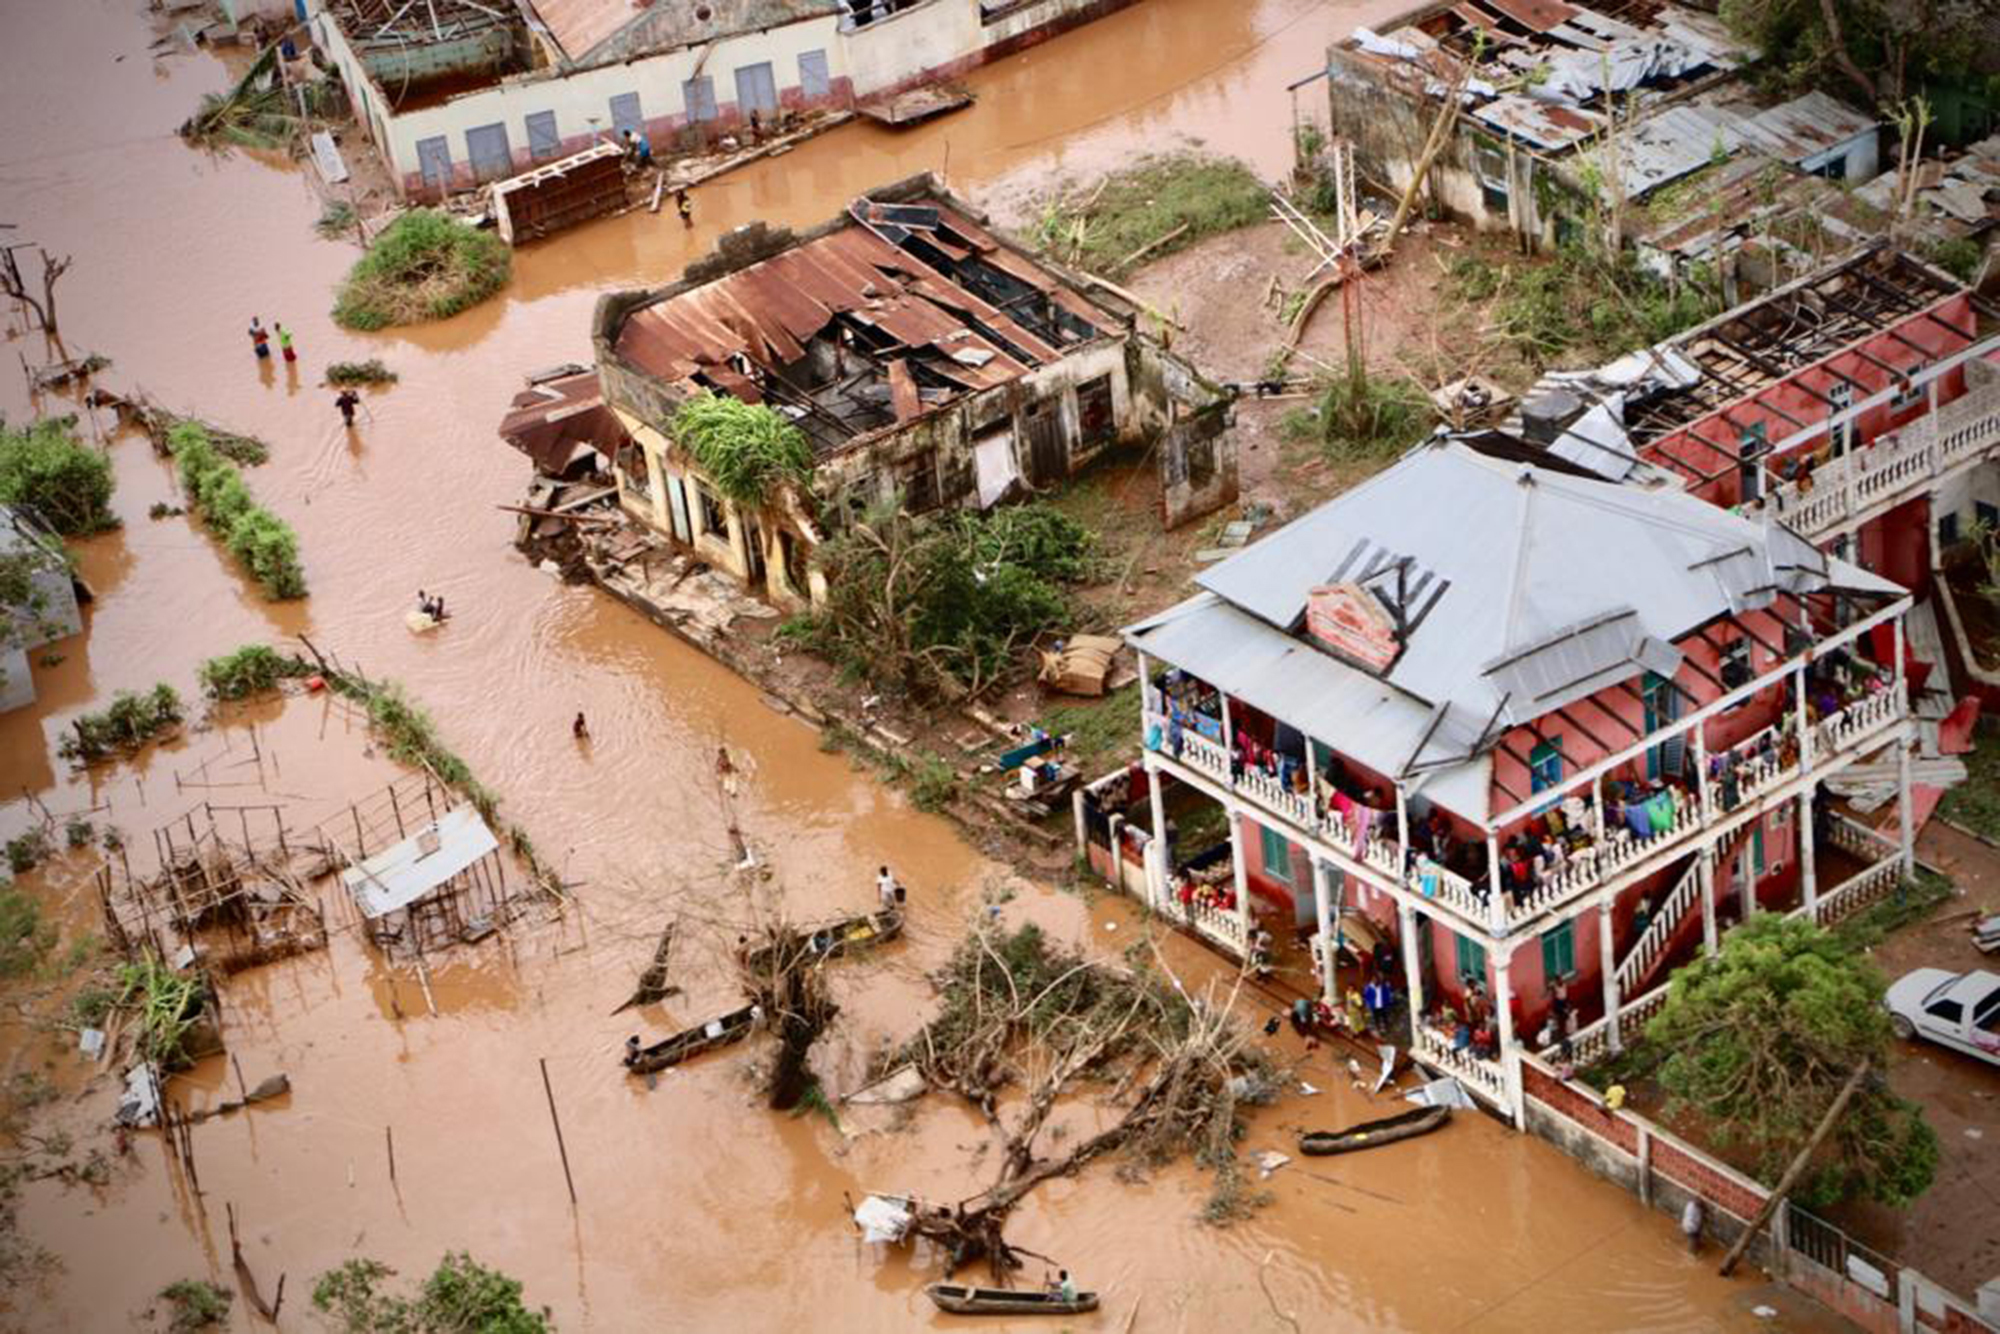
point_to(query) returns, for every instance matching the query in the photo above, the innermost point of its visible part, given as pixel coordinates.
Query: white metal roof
(399, 876)
(1520, 561)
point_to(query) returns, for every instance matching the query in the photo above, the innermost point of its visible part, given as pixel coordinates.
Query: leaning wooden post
(389, 1136)
(556, 1121)
(1795, 1171)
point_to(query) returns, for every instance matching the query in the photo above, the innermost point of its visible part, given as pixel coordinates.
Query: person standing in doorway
(285, 343)
(347, 403)
(260, 339)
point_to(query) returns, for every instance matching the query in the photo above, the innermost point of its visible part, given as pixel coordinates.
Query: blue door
(434, 161)
(487, 146)
(625, 115)
(543, 141)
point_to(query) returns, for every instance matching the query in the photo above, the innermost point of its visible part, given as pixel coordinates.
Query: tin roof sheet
(769, 310)
(401, 875)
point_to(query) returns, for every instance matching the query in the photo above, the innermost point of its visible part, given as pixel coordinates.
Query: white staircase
(1639, 962)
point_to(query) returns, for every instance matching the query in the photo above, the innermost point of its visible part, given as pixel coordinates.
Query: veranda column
(1905, 817)
(1510, 1056)
(1805, 731)
(1496, 910)
(1242, 873)
(1705, 873)
(1607, 961)
(1402, 837)
(1323, 906)
(1406, 920)
(1165, 858)
(1808, 855)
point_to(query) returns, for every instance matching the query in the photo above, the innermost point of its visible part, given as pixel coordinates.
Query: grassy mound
(1101, 227)
(426, 266)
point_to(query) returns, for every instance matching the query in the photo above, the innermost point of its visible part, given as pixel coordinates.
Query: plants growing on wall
(746, 449)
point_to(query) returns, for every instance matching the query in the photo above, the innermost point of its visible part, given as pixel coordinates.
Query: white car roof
(1972, 988)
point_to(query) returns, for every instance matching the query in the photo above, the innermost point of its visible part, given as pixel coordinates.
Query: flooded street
(696, 1208)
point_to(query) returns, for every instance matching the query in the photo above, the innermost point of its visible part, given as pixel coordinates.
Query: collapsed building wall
(911, 384)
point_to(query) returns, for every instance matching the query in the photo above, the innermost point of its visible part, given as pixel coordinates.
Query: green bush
(746, 449)
(1364, 418)
(425, 266)
(26, 850)
(196, 1304)
(461, 1296)
(130, 722)
(47, 471)
(250, 670)
(263, 544)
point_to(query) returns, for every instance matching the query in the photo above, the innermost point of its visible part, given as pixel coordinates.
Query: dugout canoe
(1007, 1301)
(1374, 1134)
(719, 1032)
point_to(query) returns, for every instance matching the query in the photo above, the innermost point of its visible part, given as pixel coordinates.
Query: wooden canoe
(1374, 1134)
(731, 1027)
(1006, 1301)
(835, 938)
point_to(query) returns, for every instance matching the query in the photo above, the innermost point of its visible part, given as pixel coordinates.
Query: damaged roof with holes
(908, 292)
(1507, 605)
(580, 27)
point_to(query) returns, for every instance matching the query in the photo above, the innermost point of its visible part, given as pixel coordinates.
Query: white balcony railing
(1659, 933)
(1488, 1079)
(1753, 769)
(1856, 892)
(1592, 1043)
(1879, 473)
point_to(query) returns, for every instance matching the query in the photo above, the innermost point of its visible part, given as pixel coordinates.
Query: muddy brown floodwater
(697, 1210)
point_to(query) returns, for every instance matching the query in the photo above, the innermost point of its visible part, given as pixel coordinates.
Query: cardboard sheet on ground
(881, 1218)
(1446, 1092)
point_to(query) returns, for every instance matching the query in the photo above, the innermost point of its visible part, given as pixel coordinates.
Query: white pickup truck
(1957, 1010)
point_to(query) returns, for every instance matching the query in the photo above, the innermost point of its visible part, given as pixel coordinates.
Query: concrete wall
(938, 39)
(577, 96)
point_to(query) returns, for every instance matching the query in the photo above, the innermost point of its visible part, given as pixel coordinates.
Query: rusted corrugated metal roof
(1534, 15)
(1801, 129)
(768, 311)
(1539, 124)
(552, 421)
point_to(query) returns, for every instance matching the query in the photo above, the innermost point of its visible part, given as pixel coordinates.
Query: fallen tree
(1019, 1012)
(782, 974)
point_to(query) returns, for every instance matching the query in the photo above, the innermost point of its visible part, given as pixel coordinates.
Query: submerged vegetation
(262, 543)
(257, 112)
(196, 1304)
(425, 266)
(250, 670)
(129, 723)
(941, 606)
(1143, 208)
(746, 449)
(47, 471)
(371, 371)
(461, 1296)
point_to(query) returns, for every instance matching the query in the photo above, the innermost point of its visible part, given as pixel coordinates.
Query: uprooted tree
(1764, 1036)
(781, 971)
(1018, 1012)
(943, 605)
